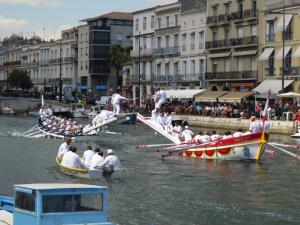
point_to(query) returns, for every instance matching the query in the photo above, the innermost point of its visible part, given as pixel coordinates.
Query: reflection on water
(179, 191)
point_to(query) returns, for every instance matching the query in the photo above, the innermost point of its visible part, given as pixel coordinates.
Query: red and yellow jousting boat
(248, 147)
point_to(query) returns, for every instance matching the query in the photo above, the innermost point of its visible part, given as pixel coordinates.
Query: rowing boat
(248, 147)
(80, 173)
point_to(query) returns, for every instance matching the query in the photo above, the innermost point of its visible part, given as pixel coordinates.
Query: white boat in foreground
(248, 147)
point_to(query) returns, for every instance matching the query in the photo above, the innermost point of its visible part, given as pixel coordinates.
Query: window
(158, 69)
(227, 64)
(227, 9)
(167, 41)
(254, 63)
(176, 69)
(226, 36)
(240, 64)
(270, 64)
(81, 65)
(254, 30)
(167, 69)
(152, 21)
(202, 66)
(193, 41)
(145, 23)
(81, 38)
(215, 35)
(167, 21)
(215, 13)
(184, 69)
(240, 8)
(201, 40)
(158, 23)
(72, 203)
(137, 24)
(193, 69)
(158, 42)
(254, 8)
(87, 37)
(67, 52)
(214, 66)
(184, 42)
(86, 65)
(87, 51)
(25, 201)
(240, 34)
(81, 52)
(270, 30)
(176, 20)
(176, 40)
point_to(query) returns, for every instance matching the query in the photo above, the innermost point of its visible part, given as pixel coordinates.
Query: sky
(46, 18)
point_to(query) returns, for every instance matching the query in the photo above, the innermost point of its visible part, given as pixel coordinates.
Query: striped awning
(210, 96)
(284, 22)
(266, 54)
(236, 96)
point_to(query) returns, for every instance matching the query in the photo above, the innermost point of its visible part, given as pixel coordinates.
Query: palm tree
(118, 55)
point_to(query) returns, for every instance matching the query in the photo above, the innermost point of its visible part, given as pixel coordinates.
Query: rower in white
(168, 123)
(71, 159)
(116, 102)
(160, 98)
(177, 130)
(97, 159)
(87, 156)
(188, 135)
(255, 126)
(64, 147)
(110, 164)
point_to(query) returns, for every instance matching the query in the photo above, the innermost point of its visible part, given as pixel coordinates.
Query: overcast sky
(47, 17)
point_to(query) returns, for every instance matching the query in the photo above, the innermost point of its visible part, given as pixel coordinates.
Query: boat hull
(250, 147)
(80, 173)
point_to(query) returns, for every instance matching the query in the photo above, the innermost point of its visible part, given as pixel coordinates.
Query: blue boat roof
(51, 186)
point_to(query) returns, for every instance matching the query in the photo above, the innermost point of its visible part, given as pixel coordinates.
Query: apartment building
(95, 39)
(233, 44)
(142, 53)
(277, 28)
(167, 45)
(192, 72)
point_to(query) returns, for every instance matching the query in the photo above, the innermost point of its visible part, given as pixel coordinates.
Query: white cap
(110, 152)
(186, 127)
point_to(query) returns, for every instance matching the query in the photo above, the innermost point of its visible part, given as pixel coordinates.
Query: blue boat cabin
(55, 204)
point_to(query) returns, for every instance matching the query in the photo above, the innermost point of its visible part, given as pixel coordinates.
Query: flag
(265, 112)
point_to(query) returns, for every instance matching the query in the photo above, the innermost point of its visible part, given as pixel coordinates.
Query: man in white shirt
(71, 159)
(64, 147)
(97, 159)
(110, 164)
(198, 137)
(206, 138)
(116, 102)
(87, 156)
(215, 136)
(177, 130)
(239, 133)
(255, 126)
(168, 123)
(188, 135)
(160, 98)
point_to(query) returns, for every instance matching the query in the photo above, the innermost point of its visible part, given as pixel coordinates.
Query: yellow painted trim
(263, 142)
(58, 162)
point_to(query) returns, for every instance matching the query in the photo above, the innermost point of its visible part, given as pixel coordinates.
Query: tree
(19, 79)
(118, 55)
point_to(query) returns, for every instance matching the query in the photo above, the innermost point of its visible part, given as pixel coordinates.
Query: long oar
(31, 134)
(145, 146)
(285, 145)
(33, 128)
(285, 151)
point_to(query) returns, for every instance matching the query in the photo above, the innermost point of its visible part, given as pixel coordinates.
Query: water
(177, 191)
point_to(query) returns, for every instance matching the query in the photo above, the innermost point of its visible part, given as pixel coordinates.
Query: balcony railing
(69, 60)
(246, 14)
(219, 19)
(167, 51)
(232, 42)
(288, 71)
(14, 63)
(221, 76)
(44, 62)
(143, 52)
(270, 37)
(270, 71)
(188, 77)
(218, 44)
(164, 78)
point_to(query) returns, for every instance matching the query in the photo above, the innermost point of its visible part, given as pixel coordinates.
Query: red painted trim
(210, 153)
(198, 153)
(224, 151)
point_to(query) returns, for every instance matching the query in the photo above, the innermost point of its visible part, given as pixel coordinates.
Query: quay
(276, 126)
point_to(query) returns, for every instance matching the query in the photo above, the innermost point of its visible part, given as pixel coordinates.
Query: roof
(113, 16)
(210, 96)
(48, 186)
(289, 95)
(273, 85)
(236, 96)
(183, 94)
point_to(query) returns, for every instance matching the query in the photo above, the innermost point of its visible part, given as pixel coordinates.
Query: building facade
(233, 44)
(277, 52)
(95, 40)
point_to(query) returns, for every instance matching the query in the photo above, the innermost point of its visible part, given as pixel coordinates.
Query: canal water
(176, 191)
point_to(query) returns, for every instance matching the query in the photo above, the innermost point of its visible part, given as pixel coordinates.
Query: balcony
(246, 14)
(14, 63)
(189, 77)
(167, 51)
(143, 78)
(270, 71)
(69, 60)
(143, 52)
(44, 62)
(164, 78)
(224, 76)
(218, 44)
(219, 19)
(270, 37)
(212, 19)
(288, 71)
(54, 61)
(252, 40)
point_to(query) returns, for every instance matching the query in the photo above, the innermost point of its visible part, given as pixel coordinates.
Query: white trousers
(116, 108)
(160, 103)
